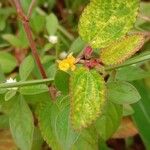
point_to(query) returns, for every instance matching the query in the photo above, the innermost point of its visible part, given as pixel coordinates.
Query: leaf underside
(87, 97)
(104, 21)
(121, 50)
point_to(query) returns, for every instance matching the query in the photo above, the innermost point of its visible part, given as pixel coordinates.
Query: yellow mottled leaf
(87, 97)
(121, 50)
(104, 21)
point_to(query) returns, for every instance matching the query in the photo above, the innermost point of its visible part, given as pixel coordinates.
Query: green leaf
(34, 89)
(19, 41)
(145, 26)
(105, 21)
(141, 115)
(109, 121)
(22, 36)
(2, 76)
(51, 71)
(141, 23)
(37, 139)
(5, 12)
(122, 93)
(121, 50)
(3, 90)
(64, 132)
(131, 73)
(127, 110)
(62, 81)
(21, 123)
(54, 124)
(2, 22)
(26, 67)
(88, 140)
(87, 97)
(47, 113)
(12, 39)
(142, 57)
(51, 24)
(10, 94)
(37, 22)
(7, 62)
(5, 106)
(77, 46)
(4, 122)
(144, 8)
(103, 145)
(35, 100)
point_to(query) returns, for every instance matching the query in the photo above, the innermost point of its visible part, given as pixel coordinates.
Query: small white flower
(63, 55)
(11, 80)
(45, 4)
(53, 39)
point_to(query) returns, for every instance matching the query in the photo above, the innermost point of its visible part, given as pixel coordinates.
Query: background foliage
(69, 119)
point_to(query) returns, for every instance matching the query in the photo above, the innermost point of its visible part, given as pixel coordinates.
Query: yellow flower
(73, 67)
(68, 63)
(71, 60)
(63, 65)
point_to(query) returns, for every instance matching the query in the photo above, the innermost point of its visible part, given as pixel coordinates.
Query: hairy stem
(25, 83)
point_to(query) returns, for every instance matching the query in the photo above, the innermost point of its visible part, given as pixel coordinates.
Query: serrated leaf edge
(136, 49)
(96, 115)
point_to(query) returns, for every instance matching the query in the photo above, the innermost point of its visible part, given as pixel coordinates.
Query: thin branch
(25, 21)
(28, 31)
(31, 8)
(34, 50)
(66, 33)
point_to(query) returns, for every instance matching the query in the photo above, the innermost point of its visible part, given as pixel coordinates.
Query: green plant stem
(25, 83)
(130, 62)
(65, 32)
(31, 8)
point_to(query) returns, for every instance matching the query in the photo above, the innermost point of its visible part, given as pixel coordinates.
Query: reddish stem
(25, 22)
(34, 50)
